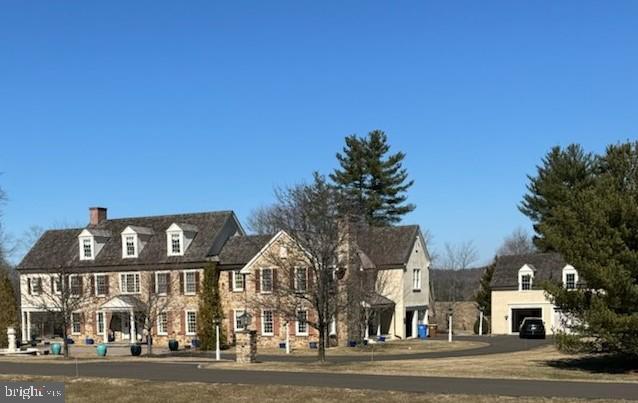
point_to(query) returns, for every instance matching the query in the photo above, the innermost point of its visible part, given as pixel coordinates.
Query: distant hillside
(455, 285)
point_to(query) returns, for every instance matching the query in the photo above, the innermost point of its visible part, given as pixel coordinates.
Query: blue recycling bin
(423, 332)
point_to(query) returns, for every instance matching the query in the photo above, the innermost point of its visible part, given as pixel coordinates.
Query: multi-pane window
(191, 322)
(101, 285)
(87, 248)
(238, 281)
(130, 283)
(162, 323)
(190, 282)
(130, 245)
(526, 282)
(57, 285)
(240, 323)
(176, 244)
(76, 326)
(570, 281)
(301, 279)
(302, 322)
(266, 280)
(100, 322)
(416, 279)
(161, 283)
(35, 285)
(267, 323)
(76, 285)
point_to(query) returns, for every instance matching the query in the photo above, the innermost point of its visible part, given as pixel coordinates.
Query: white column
(481, 323)
(217, 354)
(106, 332)
(449, 335)
(287, 338)
(28, 326)
(415, 320)
(378, 324)
(133, 336)
(23, 322)
(426, 319)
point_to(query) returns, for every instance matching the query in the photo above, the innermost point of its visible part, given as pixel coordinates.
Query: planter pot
(195, 343)
(313, 345)
(365, 342)
(70, 341)
(136, 350)
(101, 350)
(56, 348)
(381, 339)
(352, 343)
(282, 345)
(173, 345)
(88, 341)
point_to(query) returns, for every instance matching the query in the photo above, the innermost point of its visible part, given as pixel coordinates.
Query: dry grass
(541, 363)
(118, 390)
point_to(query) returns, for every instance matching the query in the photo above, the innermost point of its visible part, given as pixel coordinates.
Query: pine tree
(595, 228)
(375, 182)
(8, 308)
(483, 297)
(210, 309)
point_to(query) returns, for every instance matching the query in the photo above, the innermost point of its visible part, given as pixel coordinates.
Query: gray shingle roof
(58, 248)
(388, 246)
(546, 266)
(239, 250)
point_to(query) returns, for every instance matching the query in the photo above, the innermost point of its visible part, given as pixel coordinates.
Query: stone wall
(465, 314)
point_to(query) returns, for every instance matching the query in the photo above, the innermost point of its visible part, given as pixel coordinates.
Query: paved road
(189, 372)
(496, 345)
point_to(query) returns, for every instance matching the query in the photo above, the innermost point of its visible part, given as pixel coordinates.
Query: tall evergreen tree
(562, 173)
(375, 182)
(595, 227)
(8, 306)
(210, 309)
(483, 297)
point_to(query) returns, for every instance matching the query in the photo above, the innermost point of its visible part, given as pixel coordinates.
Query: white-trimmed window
(190, 282)
(57, 284)
(266, 280)
(525, 278)
(191, 323)
(76, 325)
(333, 327)
(301, 279)
(130, 283)
(239, 324)
(302, 322)
(161, 282)
(162, 324)
(570, 277)
(86, 248)
(175, 244)
(416, 279)
(75, 282)
(99, 322)
(101, 285)
(35, 285)
(130, 246)
(238, 281)
(267, 323)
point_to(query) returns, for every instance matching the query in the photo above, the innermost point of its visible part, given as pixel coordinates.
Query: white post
(449, 335)
(28, 327)
(287, 338)
(481, 323)
(11, 338)
(415, 319)
(106, 332)
(23, 322)
(217, 344)
(132, 323)
(378, 324)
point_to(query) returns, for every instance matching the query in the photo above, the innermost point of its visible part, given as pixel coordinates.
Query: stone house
(517, 291)
(125, 271)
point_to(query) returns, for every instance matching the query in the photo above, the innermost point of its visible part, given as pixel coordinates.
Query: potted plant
(313, 345)
(56, 348)
(101, 350)
(136, 350)
(89, 341)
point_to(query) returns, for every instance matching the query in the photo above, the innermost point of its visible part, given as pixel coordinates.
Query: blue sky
(153, 107)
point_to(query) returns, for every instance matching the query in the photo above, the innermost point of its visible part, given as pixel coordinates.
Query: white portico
(118, 319)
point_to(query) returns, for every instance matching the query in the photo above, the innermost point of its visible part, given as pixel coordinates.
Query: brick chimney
(96, 215)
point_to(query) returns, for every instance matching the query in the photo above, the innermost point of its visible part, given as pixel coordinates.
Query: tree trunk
(322, 342)
(65, 341)
(149, 342)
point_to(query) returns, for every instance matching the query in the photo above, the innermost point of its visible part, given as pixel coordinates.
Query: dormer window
(525, 278)
(179, 238)
(129, 242)
(87, 249)
(134, 239)
(176, 244)
(570, 277)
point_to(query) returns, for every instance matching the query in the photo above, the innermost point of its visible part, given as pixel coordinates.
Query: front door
(409, 316)
(126, 325)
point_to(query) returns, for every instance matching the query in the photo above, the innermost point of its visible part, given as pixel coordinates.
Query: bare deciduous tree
(519, 242)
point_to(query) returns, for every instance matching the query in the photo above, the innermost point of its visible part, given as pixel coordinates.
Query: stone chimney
(96, 215)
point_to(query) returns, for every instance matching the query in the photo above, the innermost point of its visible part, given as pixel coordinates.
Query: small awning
(417, 308)
(377, 301)
(121, 303)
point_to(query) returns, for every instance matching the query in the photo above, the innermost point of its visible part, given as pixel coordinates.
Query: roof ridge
(219, 212)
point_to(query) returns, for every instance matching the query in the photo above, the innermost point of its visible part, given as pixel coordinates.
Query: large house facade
(517, 291)
(121, 272)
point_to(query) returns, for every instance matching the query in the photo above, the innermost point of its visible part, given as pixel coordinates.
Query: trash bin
(432, 330)
(423, 331)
